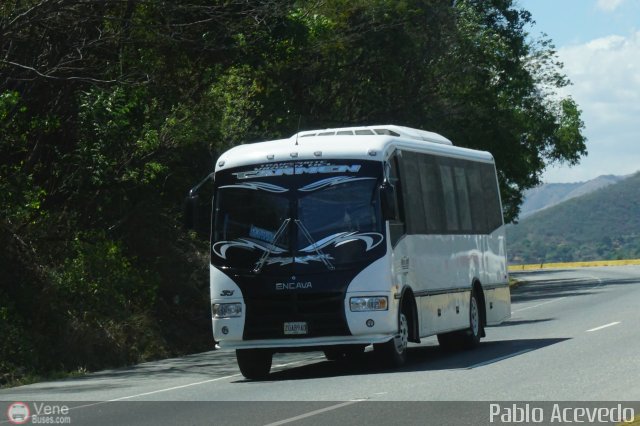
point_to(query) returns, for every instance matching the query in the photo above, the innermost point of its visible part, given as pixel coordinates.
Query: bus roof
(363, 142)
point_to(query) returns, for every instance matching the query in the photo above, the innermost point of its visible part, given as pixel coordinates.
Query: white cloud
(606, 85)
(609, 5)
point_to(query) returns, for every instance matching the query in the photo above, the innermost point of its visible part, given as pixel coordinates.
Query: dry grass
(575, 264)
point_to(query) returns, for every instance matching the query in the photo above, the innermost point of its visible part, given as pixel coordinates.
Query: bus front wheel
(254, 364)
(394, 352)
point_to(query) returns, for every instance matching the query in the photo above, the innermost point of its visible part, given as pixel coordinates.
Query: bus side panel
(444, 312)
(498, 304)
(440, 270)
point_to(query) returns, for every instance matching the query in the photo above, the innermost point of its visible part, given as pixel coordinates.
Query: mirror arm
(190, 205)
(193, 191)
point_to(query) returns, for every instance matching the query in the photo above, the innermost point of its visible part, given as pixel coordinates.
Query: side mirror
(190, 212)
(388, 201)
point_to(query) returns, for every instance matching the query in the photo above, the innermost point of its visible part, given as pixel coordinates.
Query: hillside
(551, 194)
(603, 224)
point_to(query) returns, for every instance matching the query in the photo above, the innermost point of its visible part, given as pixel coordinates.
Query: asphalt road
(573, 337)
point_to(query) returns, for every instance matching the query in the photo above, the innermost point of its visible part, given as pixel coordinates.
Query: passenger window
(431, 194)
(449, 193)
(462, 193)
(415, 213)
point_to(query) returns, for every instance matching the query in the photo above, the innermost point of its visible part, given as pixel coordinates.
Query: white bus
(337, 239)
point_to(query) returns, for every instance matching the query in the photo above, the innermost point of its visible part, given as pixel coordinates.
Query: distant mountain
(603, 224)
(550, 194)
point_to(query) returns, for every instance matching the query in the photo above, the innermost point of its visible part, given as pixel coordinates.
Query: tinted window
(443, 195)
(431, 194)
(414, 208)
(462, 195)
(477, 198)
(492, 198)
(449, 193)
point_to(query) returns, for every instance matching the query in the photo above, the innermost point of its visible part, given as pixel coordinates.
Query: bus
(337, 239)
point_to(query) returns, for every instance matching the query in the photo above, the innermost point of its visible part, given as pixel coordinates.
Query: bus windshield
(246, 225)
(326, 224)
(338, 214)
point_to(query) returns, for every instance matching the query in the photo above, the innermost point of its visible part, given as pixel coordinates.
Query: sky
(599, 43)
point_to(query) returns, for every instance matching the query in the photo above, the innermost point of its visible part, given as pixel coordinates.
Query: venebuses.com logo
(18, 413)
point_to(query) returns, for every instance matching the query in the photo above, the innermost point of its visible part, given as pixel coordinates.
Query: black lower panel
(323, 313)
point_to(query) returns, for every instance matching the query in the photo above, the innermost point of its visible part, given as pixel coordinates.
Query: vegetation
(110, 110)
(604, 224)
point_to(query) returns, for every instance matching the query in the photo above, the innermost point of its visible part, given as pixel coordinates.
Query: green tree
(111, 110)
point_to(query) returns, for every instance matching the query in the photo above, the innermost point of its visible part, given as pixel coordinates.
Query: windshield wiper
(323, 257)
(276, 237)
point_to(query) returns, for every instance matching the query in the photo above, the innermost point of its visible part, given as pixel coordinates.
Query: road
(573, 336)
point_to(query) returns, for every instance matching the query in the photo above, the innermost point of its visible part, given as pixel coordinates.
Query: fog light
(372, 303)
(225, 330)
(370, 323)
(226, 310)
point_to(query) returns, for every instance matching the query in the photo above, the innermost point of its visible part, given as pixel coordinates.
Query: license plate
(296, 328)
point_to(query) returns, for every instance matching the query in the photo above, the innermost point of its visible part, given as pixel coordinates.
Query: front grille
(324, 314)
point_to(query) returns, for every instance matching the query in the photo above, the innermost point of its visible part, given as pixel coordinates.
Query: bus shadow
(566, 287)
(515, 322)
(420, 358)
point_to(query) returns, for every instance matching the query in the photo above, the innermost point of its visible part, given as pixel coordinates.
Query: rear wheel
(469, 338)
(254, 364)
(394, 352)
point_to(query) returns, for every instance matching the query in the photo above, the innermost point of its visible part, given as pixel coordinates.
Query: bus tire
(468, 338)
(394, 352)
(471, 336)
(255, 364)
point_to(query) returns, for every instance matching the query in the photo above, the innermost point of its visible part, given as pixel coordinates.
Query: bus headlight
(226, 310)
(372, 303)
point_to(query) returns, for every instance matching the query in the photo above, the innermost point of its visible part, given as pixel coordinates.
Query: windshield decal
(371, 239)
(220, 248)
(331, 182)
(258, 185)
(282, 261)
(299, 168)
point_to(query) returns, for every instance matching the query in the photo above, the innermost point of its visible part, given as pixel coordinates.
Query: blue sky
(599, 43)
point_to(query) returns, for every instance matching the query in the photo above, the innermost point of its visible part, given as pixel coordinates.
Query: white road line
(539, 304)
(315, 412)
(171, 388)
(603, 326)
(153, 392)
(491, 361)
(297, 362)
